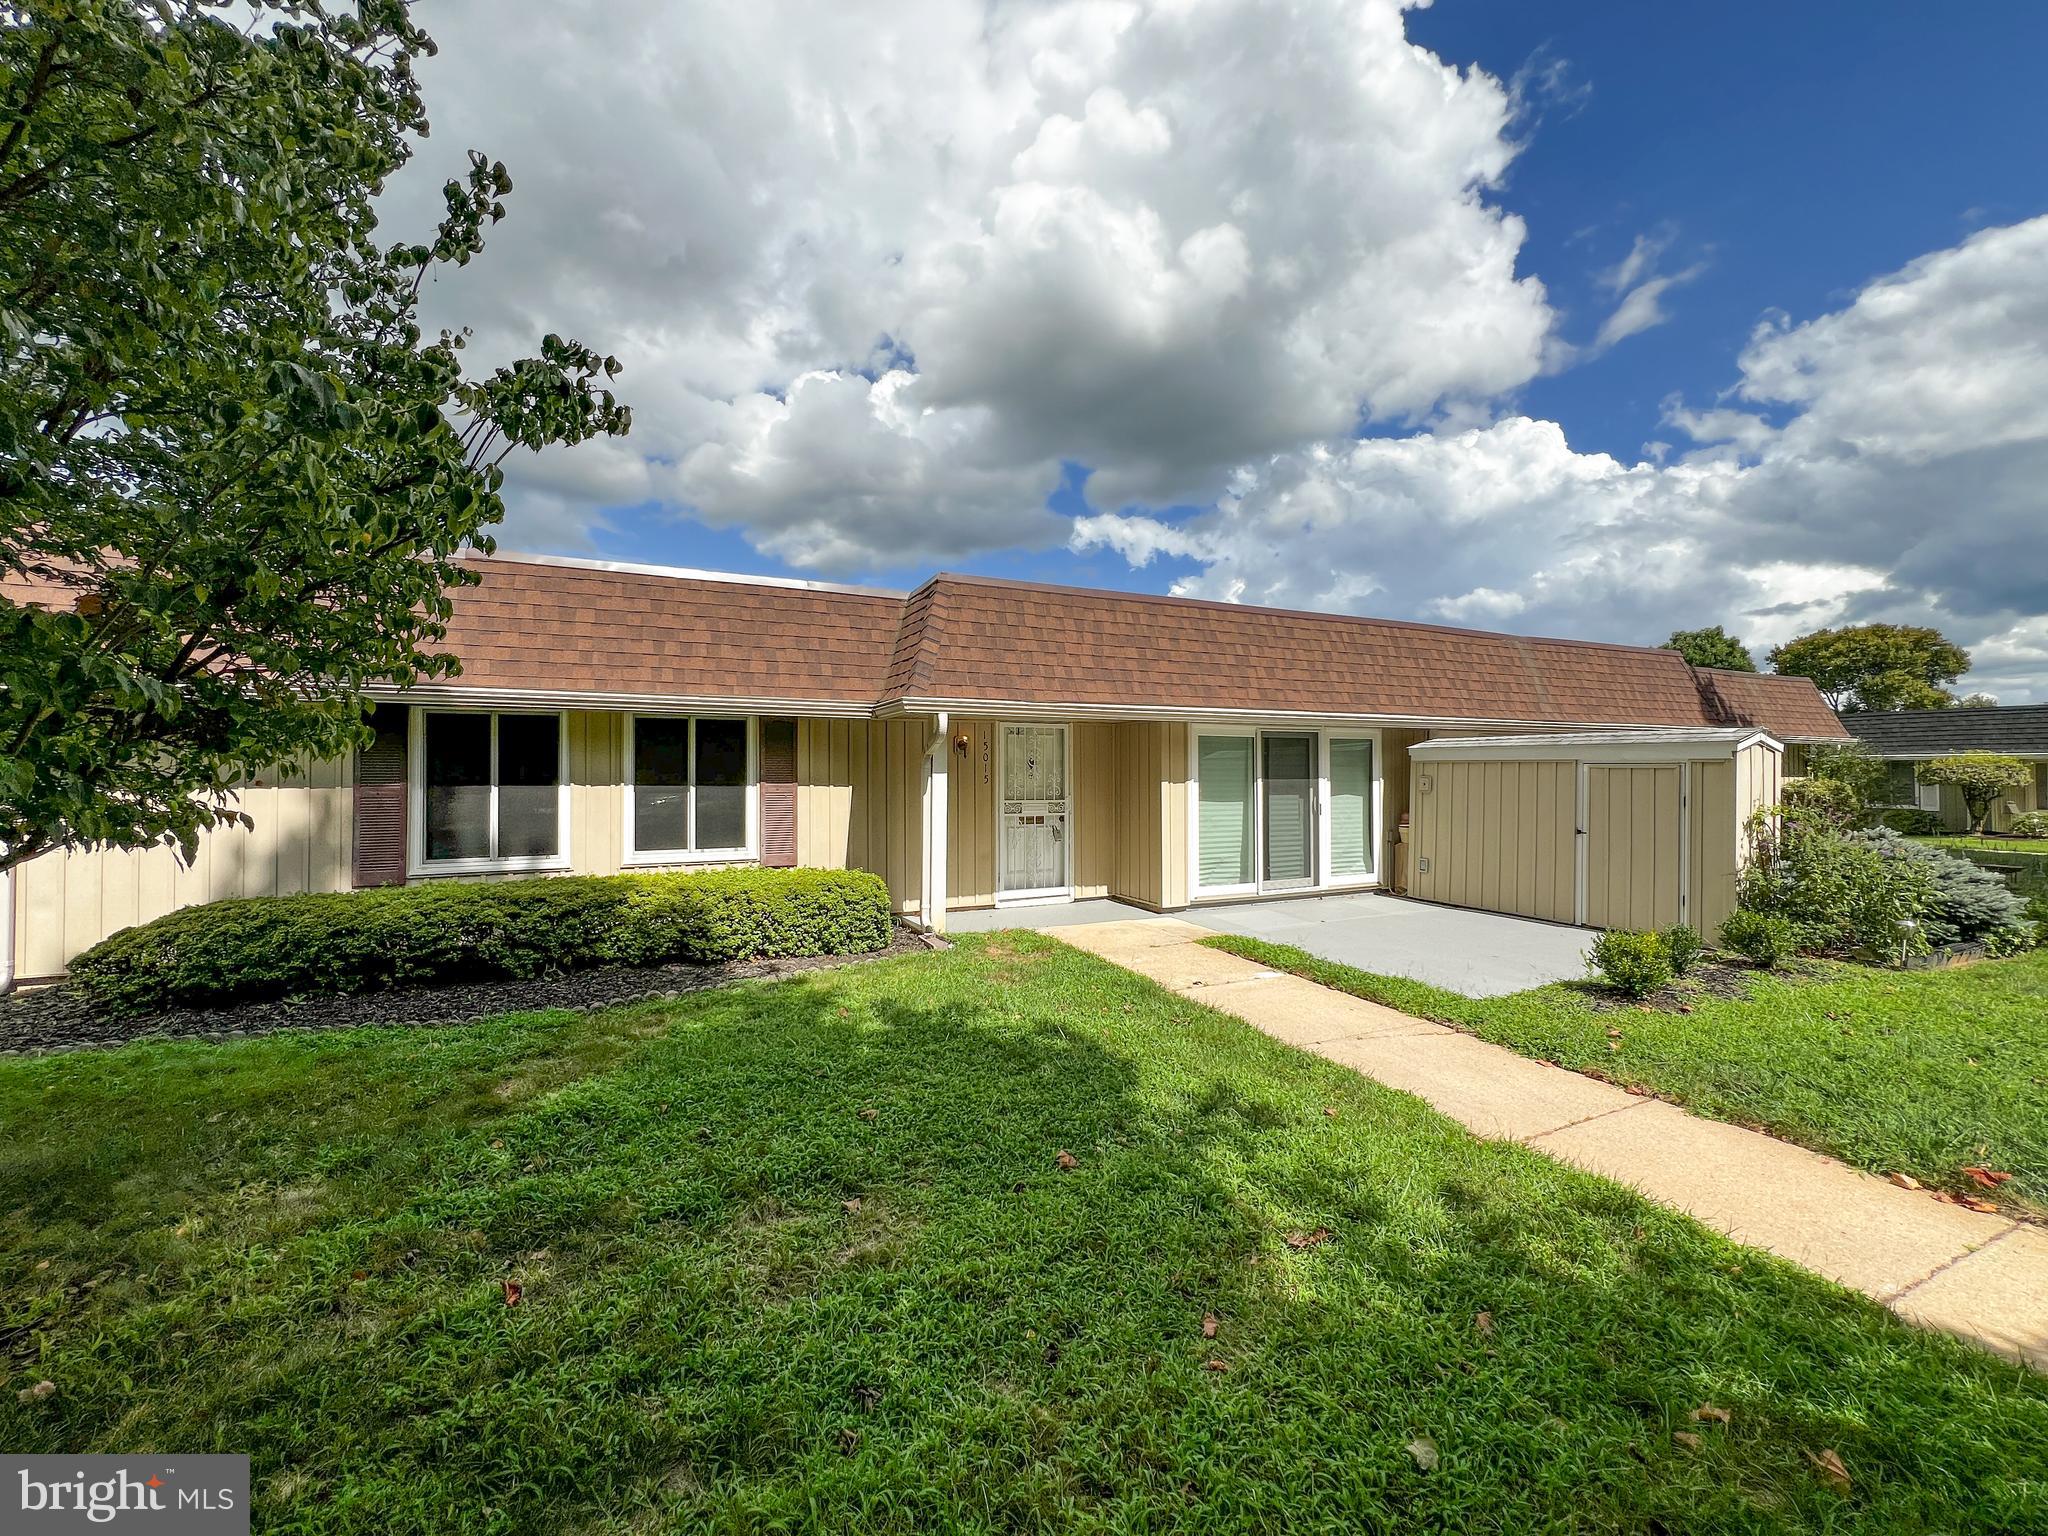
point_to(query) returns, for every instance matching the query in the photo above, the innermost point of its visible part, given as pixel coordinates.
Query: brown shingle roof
(980, 640)
(578, 629)
(1790, 708)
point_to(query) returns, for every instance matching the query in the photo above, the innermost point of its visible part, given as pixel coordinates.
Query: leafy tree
(1980, 777)
(1977, 701)
(1876, 666)
(1710, 647)
(236, 467)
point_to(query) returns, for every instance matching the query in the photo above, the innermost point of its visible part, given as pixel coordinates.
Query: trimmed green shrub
(1762, 938)
(2029, 824)
(362, 941)
(1634, 963)
(1910, 820)
(1683, 947)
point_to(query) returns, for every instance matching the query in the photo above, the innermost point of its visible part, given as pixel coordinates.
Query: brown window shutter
(778, 794)
(380, 800)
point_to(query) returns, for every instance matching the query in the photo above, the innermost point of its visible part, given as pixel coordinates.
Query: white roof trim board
(1671, 744)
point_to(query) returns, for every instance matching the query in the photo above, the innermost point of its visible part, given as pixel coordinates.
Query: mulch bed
(1709, 978)
(63, 1017)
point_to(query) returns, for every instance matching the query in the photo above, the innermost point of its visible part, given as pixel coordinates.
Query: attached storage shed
(1613, 829)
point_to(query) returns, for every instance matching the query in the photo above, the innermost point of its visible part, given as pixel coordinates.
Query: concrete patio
(1481, 954)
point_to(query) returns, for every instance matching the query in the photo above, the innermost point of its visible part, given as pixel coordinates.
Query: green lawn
(298, 1247)
(1922, 1072)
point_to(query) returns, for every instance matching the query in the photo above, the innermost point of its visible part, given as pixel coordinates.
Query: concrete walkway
(1981, 1277)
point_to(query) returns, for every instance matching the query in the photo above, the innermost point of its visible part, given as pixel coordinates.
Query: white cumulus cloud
(1905, 483)
(1160, 238)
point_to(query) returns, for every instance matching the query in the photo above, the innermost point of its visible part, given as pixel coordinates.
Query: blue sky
(1145, 276)
(1799, 150)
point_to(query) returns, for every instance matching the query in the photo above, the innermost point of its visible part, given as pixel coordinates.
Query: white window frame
(418, 865)
(1196, 890)
(645, 858)
(1375, 795)
(1325, 882)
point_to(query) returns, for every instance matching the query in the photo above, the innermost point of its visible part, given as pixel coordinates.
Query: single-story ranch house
(1906, 738)
(983, 742)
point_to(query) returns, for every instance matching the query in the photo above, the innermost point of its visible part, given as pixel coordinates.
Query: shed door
(1634, 830)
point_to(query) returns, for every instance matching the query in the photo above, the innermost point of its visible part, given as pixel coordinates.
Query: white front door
(1031, 812)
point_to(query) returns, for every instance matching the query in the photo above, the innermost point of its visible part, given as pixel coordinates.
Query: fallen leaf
(1423, 1449)
(1329, 1112)
(1687, 1438)
(514, 1292)
(1707, 1413)
(1986, 1178)
(36, 1393)
(1987, 1207)
(849, 1441)
(869, 1113)
(1067, 1161)
(1484, 1323)
(868, 1397)
(42, 1264)
(851, 1205)
(1614, 1045)
(1313, 1239)
(1218, 1366)
(1830, 1467)
(1613, 1033)
(497, 1143)
(1904, 1180)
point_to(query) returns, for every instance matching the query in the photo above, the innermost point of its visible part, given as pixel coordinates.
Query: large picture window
(689, 789)
(490, 791)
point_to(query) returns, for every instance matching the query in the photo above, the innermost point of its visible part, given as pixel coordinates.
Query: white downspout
(6, 931)
(938, 763)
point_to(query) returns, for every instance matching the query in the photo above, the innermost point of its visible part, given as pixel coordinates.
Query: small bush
(1683, 947)
(1762, 938)
(362, 941)
(1910, 821)
(1832, 800)
(1633, 962)
(2030, 824)
(1839, 891)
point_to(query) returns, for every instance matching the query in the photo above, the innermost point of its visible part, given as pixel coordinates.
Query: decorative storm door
(1031, 827)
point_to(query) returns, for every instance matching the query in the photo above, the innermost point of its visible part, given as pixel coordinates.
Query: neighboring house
(982, 742)
(1906, 738)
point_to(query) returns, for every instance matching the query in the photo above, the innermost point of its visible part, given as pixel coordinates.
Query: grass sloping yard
(298, 1246)
(1922, 1072)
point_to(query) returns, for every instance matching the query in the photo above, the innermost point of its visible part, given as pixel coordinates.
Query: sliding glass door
(1352, 830)
(1225, 833)
(1288, 761)
(1283, 810)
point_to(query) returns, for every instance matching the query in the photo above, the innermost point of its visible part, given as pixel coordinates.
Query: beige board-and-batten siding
(860, 806)
(301, 840)
(1501, 835)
